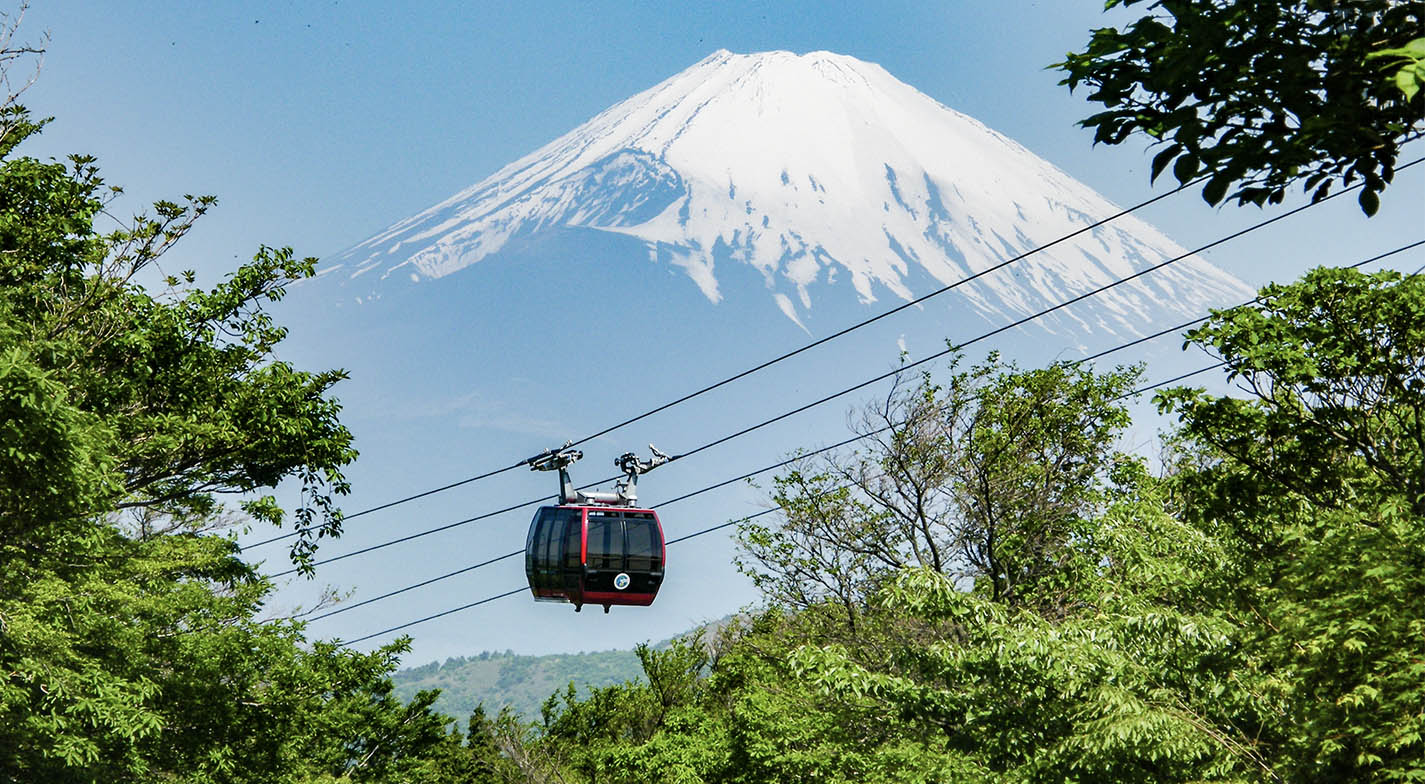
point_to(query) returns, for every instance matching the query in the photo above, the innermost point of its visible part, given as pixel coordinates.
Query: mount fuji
(815, 171)
(695, 229)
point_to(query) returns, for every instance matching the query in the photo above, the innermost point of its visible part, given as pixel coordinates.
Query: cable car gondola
(595, 548)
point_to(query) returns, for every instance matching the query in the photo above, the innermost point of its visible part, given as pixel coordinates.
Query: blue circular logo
(621, 582)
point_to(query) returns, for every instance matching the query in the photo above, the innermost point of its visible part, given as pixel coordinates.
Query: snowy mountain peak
(811, 168)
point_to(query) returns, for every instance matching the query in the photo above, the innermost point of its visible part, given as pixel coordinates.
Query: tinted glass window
(605, 542)
(542, 539)
(544, 549)
(572, 540)
(556, 540)
(645, 551)
(530, 540)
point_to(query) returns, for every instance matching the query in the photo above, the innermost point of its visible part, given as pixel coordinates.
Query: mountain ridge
(496, 680)
(811, 169)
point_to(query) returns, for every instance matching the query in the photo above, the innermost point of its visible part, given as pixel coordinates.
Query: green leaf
(1414, 50)
(1408, 81)
(1161, 160)
(1370, 201)
(1215, 189)
(1185, 167)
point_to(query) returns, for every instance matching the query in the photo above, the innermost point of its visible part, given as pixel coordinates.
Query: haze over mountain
(811, 169)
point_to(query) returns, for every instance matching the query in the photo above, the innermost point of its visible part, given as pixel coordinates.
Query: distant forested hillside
(522, 682)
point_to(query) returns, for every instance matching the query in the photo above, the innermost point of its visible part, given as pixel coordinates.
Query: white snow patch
(784, 303)
(779, 161)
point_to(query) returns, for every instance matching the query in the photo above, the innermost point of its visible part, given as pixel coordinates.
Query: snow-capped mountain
(816, 170)
(668, 245)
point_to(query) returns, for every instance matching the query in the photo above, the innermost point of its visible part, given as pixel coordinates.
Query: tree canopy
(1260, 96)
(1249, 614)
(987, 589)
(135, 428)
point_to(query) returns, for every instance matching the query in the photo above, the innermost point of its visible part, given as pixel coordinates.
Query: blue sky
(319, 123)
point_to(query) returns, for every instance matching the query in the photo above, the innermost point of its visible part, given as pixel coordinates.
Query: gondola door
(572, 570)
(552, 575)
(624, 556)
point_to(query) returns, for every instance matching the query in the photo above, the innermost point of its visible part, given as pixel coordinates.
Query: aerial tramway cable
(756, 368)
(838, 445)
(807, 347)
(670, 542)
(950, 350)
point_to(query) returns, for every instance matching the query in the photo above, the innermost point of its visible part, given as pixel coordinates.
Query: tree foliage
(1409, 64)
(1315, 481)
(1258, 96)
(988, 478)
(131, 645)
(987, 591)
(1334, 368)
(142, 402)
(1251, 615)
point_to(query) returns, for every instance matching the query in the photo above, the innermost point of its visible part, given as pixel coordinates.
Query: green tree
(141, 659)
(130, 645)
(1254, 616)
(635, 731)
(991, 477)
(1121, 682)
(486, 761)
(1257, 95)
(1315, 483)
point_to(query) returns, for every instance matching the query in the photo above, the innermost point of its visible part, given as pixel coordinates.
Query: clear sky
(319, 123)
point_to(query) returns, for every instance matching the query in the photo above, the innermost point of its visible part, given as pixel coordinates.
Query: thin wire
(428, 532)
(764, 365)
(659, 506)
(932, 357)
(1081, 360)
(748, 475)
(1137, 391)
(669, 543)
(482, 564)
(486, 600)
(957, 347)
(386, 505)
(898, 308)
(804, 455)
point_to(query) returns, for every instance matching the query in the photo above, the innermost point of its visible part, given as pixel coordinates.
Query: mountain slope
(496, 680)
(810, 169)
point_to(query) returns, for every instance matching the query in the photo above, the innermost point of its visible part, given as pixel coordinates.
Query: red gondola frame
(551, 576)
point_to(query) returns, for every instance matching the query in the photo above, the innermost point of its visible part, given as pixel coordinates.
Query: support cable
(854, 439)
(845, 442)
(670, 542)
(763, 365)
(881, 377)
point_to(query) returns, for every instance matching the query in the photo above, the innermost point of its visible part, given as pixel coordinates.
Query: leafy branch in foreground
(160, 403)
(1258, 96)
